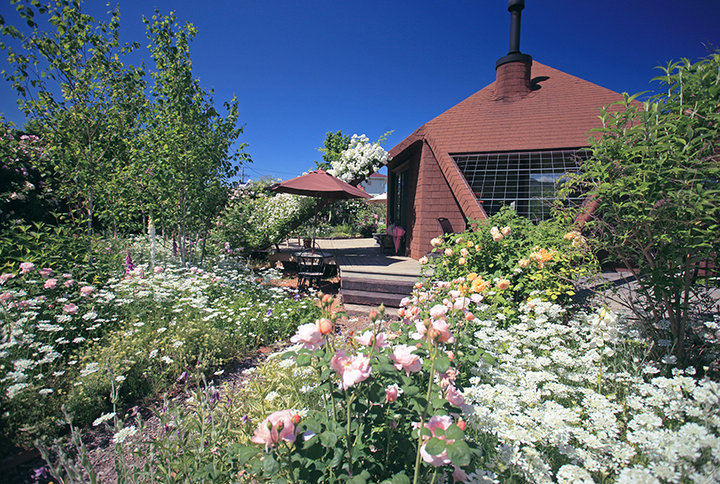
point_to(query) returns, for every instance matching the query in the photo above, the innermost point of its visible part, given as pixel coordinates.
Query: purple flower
(269, 313)
(215, 397)
(183, 377)
(129, 266)
(245, 419)
(39, 472)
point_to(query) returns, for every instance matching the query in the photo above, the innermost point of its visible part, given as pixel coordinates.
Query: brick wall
(433, 199)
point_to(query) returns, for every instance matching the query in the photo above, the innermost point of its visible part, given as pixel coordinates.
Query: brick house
(507, 144)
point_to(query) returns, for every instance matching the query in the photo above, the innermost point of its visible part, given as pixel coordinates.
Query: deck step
(372, 298)
(384, 284)
(363, 310)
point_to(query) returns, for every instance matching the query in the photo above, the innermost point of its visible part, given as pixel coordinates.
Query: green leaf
(270, 465)
(400, 478)
(328, 439)
(303, 359)
(245, 453)
(435, 446)
(411, 391)
(454, 432)
(442, 364)
(459, 453)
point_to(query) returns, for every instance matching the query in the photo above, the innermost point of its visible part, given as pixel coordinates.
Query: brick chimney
(512, 71)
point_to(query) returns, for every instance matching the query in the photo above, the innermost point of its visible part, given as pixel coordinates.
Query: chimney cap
(515, 5)
(513, 57)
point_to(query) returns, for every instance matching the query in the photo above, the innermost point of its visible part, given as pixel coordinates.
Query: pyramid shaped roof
(558, 113)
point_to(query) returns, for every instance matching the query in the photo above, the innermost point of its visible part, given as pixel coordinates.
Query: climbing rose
(503, 284)
(423, 260)
(276, 427)
(436, 242)
(50, 284)
(352, 369)
(309, 335)
(4, 278)
(86, 290)
(505, 231)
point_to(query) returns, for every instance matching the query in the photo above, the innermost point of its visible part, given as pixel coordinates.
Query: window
(524, 180)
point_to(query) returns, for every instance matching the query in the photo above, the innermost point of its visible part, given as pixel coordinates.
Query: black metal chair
(311, 267)
(445, 225)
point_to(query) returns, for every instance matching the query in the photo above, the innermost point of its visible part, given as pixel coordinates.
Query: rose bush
(390, 408)
(516, 256)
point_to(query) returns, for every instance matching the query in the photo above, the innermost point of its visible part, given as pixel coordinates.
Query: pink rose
(158, 270)
(26, 267)
(50, 283)
(325, 326)
(440, 330)
(276, 427)
(368, 339)
(67, 276)
(436, 422)
(86, 290)
(309, 335)
(392, 392)
(70, 308)
(5, 277)
(68, 283)
(432, 330)
(453, 396)
(438, 311)
(6, 296)
(46, 272)
(405, 359)
(352, 369)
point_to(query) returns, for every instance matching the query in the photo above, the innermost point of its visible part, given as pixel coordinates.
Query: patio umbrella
(319, 184)
(378, 199)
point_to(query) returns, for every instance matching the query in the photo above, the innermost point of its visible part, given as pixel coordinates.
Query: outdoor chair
(311, 267)
(445, 225)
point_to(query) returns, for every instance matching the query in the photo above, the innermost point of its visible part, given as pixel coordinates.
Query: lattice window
(525, 180)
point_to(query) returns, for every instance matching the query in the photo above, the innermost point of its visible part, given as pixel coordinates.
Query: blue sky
(301, 69)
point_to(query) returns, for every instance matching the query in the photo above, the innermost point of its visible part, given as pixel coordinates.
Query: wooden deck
(369, 275)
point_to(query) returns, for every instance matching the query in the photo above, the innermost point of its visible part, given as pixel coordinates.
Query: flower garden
(132, 285)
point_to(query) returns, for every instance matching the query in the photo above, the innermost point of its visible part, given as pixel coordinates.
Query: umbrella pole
(314, 231)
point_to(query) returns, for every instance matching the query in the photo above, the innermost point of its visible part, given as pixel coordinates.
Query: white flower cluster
(556, 394)
(360, 160)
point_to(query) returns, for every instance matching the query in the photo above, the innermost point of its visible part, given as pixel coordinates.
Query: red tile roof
(557, 115)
